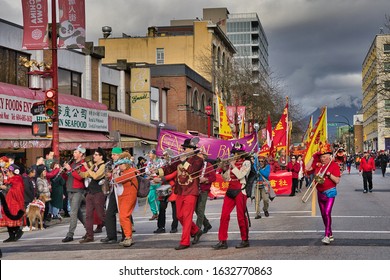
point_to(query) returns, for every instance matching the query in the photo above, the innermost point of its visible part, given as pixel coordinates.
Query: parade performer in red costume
(234, 173)
(327, 176)
(187, 190)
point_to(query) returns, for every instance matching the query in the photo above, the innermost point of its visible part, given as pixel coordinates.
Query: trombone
(318, 179)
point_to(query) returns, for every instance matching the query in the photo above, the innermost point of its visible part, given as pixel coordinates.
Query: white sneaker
(331, 238)
(326, 240)
(26, 228)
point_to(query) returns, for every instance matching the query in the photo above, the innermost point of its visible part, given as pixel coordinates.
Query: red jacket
(187, 181)
(73, 179)
(367, 165)
(294, 169)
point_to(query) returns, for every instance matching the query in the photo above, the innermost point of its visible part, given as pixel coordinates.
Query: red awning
(38, 95)
(70, 139)
(12, 136)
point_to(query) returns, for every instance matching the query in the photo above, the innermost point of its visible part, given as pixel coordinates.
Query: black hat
(140, 158)
(189, 143)
(237, 148)
(40, 169)
(14, 168)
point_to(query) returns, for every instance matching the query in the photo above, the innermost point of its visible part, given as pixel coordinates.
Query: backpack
(143, 187)
(250, 179)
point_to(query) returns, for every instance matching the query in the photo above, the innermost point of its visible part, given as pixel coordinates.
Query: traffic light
(50, 103)
(39, 129)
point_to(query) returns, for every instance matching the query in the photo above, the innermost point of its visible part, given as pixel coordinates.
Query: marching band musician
(152, 166)
(111, 202)
(235, 196)
(95, 198)
(127, 186)
(327, 176)
(207, 176)
(167, 175)
(187, 190)
(75, 188)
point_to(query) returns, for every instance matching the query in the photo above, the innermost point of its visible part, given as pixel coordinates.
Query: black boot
(18, 233)
(11, 233)
(220, 245)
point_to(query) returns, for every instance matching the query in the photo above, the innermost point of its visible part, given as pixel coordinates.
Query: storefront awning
(21, 137)
(131, 142)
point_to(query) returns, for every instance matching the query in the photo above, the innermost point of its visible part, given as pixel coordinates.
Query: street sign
(39, 129)
(38, 108)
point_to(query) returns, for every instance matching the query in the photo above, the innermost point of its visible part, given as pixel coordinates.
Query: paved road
(361, 226)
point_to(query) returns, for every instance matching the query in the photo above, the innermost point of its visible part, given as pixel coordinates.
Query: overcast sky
(316, 47)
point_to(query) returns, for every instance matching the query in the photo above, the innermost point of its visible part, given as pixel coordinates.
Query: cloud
(316, 47)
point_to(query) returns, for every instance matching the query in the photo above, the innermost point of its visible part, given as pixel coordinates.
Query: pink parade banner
(231, 111)
(71, 32)
(281, 182)
(216, 148)
(35, 25)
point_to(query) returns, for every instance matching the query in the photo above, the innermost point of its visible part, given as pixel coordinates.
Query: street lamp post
(256, 126)
(349, 131)
(55, 119)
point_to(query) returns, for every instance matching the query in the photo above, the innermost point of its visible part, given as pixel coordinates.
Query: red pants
(185, 207)
(228, 205)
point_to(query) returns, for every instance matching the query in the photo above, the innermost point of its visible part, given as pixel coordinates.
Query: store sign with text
(15, 110)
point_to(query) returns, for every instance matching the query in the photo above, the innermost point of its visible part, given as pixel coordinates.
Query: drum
(164, 190)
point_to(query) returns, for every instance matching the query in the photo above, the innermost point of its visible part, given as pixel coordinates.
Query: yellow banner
(318, 135)
(225, 132)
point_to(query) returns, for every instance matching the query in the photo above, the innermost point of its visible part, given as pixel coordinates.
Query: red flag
(35, 22)
(72, 24)
(280, 133)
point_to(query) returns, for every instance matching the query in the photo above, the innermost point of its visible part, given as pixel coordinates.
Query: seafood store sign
(18, 111)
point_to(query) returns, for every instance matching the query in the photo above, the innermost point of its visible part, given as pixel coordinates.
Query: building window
(160, 56)
(387, 122)
(387, 85)
(386, 48)
(11, 72)
(203, 103)
(154, 110)
(387, 104)
(387, 66)
(188, 97)
(109, 93)
(69, 82)
(195, 102)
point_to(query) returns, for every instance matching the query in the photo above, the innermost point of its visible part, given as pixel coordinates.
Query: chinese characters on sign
(15, 110)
